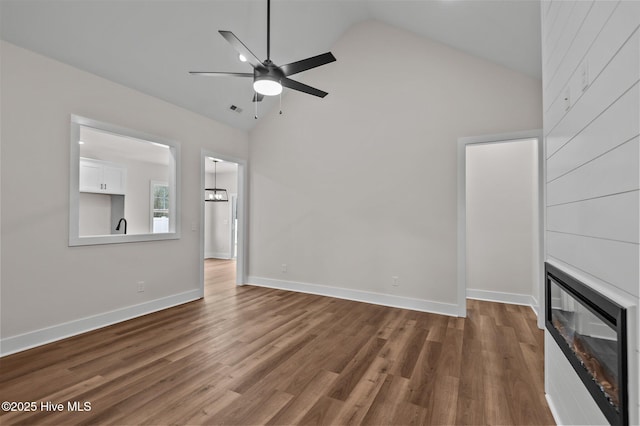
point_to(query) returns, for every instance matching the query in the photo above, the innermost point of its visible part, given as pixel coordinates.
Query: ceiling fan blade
(307, 64)
(257, 97)
(221, 74)
(296, 85)
(241, 48)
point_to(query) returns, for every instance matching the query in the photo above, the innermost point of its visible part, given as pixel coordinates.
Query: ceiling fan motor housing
(268, 72)
(267, 79)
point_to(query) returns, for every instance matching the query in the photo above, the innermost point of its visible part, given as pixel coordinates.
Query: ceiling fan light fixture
(267, 86)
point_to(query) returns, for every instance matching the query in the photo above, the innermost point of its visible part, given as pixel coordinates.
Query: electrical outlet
(140, 286)
(283, 268)
(194, 226)
(395, 281)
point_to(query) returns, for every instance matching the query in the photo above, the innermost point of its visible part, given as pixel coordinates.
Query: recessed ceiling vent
(235, 109)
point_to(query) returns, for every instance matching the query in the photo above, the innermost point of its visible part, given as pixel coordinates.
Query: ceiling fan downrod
(268, 31)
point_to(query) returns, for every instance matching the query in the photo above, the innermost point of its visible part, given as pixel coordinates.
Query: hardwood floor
(249, 355)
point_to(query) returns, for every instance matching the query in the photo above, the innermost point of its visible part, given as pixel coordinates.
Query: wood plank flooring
(257, 356)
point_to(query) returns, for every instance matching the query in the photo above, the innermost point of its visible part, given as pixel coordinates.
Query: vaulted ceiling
(150, 45)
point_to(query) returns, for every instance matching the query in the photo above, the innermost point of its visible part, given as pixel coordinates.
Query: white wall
(353, 189)
(95, 214)
(591, 55)
(502, 218)
(45, 283)
(217, 219)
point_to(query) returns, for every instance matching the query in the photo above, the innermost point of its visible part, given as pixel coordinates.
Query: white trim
(241, 206)
(542, 215)
(233, 196)
(503, 297)
(74, 185)
(536, 308)
(217, 255)
(462, 210)
(553, 410)
(21, 342)
(358, 296)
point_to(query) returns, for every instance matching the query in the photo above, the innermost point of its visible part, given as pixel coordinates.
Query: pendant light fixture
(215, 193)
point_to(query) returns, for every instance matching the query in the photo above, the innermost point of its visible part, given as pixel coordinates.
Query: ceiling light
(242, 58)
(80, 142)
(267, 86)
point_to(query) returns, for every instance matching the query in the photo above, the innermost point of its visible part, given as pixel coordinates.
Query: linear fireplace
(591, 331)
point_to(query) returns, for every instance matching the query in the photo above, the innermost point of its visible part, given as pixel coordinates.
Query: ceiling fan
(268, 78)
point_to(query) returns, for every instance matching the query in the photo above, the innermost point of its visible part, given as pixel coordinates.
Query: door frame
(242, 209)
(462, 212)
(233, 198)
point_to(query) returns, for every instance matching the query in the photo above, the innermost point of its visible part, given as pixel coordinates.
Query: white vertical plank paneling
(612, 173)
(559, 14)
(623, 23)
(616, 125)
(612, 261)
(599, 14)
(614, 217)
(604, 50)
(620, 74)
(571, 28)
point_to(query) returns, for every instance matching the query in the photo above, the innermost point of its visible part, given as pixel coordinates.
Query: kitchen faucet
(125, 225)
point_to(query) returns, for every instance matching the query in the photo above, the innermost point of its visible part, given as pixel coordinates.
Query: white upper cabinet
(102, 177)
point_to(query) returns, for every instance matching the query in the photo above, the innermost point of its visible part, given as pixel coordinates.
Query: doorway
(222, 223)
(219, 220)
(501, 220)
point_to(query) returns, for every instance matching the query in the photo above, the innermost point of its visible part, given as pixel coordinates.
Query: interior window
(123, 185)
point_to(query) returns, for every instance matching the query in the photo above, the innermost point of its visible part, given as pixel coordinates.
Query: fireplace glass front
(591, 340)
(589, 329)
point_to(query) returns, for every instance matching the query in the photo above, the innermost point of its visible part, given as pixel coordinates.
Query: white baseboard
(358, 296)
(535, 306)
(553, 410)
(503, 297)
(21, 342)
(217, 255)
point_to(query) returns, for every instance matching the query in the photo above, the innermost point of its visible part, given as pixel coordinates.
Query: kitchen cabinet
(102, 177)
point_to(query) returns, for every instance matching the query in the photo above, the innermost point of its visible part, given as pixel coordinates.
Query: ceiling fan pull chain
(255, 116)
(280, 103)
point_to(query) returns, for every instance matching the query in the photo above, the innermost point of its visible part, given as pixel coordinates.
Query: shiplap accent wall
(591, 101)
